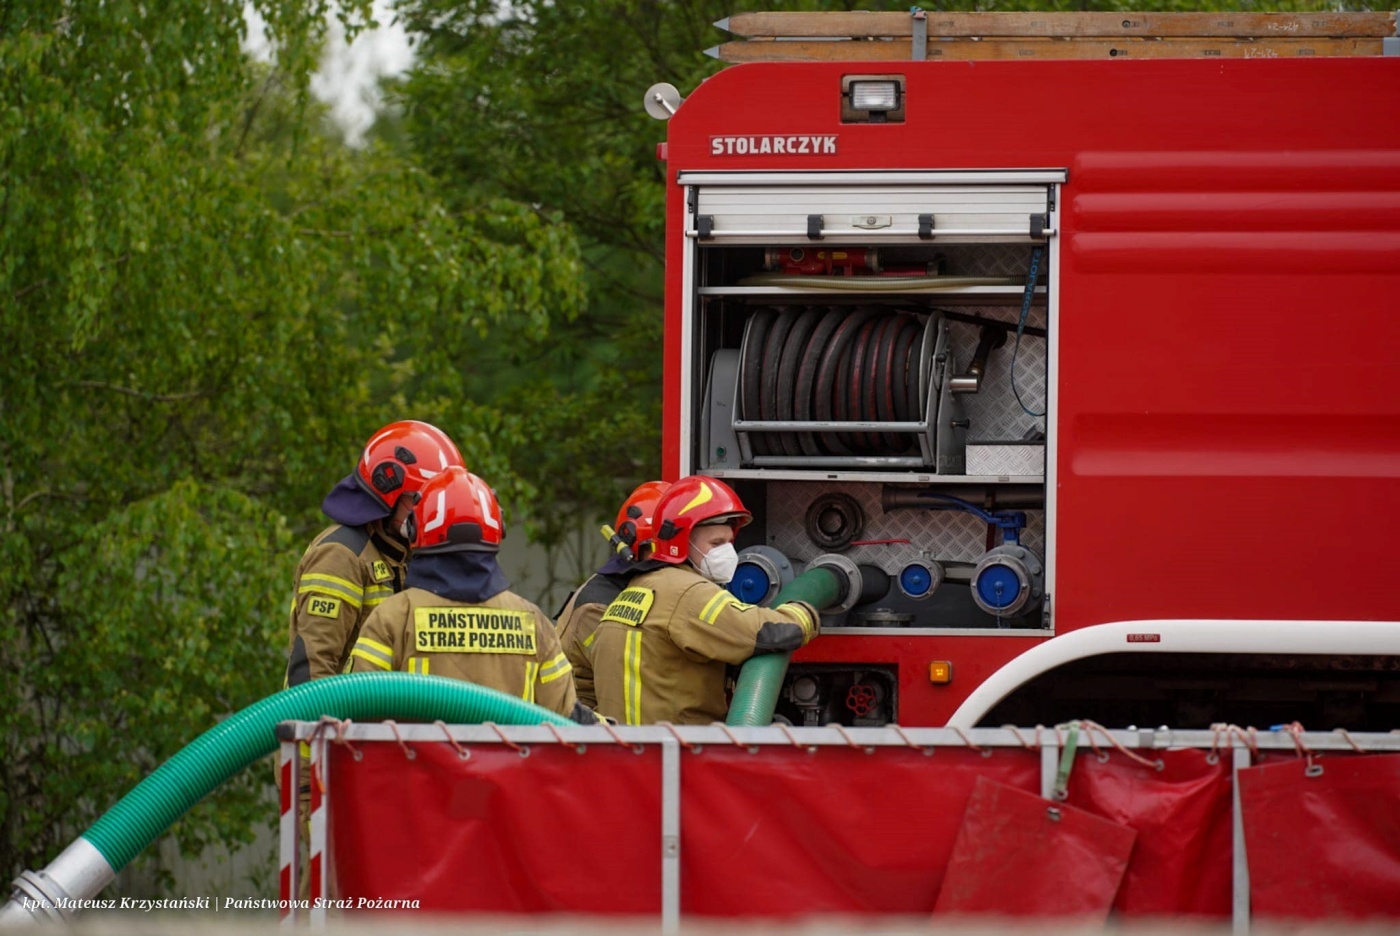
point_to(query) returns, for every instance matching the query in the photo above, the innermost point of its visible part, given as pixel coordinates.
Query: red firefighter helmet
(401, 457)
(456, 511)
(634, 524)
(691, 502)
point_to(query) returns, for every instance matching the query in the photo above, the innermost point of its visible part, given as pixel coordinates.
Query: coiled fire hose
(90, 863)
(823, 364)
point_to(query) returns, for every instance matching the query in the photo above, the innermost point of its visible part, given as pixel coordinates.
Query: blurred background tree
(211, 303)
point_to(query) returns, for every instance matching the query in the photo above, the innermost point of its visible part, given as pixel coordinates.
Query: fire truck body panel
(1222, 267)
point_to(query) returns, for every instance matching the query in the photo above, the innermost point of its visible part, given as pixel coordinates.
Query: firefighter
(579, 618)
(662, 645)
(351, 567)
(457, 616)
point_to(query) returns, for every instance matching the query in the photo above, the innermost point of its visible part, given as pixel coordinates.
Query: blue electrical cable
(1020, 326)
(1010, 522)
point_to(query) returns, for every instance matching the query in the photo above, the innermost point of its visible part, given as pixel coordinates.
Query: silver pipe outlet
(58, 892)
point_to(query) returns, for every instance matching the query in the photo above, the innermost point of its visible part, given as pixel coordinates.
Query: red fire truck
(1090, 366)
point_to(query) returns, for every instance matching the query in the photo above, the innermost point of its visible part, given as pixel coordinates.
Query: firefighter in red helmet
(354, 565)
(351, 567)
(457, 616)
(662, 645)
(579, 618)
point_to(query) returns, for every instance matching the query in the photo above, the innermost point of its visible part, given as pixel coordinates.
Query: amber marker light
(940, 672)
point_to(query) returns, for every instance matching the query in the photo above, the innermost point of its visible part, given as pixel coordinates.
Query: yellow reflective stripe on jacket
(555, 668)
(374, 653)
(375, 594)
(711, 611)
(800, 613)
(531, 669)
(332, 585)
(632, 678)
(588, 641)
(716, 605)
(418, 665)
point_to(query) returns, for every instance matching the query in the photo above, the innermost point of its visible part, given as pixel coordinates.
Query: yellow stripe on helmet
(705, 495)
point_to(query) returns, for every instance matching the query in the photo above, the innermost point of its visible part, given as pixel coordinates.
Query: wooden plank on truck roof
(864, 50)
(858, 24)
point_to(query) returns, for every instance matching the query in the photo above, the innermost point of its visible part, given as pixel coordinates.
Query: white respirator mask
(719, 564)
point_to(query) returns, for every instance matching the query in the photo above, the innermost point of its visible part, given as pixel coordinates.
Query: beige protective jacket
(661, 646)
(504, 643)
(345, 573)
(577, 624)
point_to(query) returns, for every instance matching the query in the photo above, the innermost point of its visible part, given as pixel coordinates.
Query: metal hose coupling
(848, 580)
(60, 891)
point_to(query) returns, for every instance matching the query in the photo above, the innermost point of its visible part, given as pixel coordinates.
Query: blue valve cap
(750, 583)
(915, 580)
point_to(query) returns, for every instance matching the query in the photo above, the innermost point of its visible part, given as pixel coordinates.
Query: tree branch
(26, 290)
(140, 394)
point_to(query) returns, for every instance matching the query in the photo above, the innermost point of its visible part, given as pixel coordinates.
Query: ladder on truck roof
(936, 34)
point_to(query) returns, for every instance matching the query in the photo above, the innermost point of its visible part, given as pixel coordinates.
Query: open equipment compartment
(866, 361)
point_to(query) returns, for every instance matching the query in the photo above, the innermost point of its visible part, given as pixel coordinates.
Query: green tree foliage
(210, 305)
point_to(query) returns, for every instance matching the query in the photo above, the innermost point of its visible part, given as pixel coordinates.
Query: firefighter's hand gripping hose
(760, 678)
(91, 862)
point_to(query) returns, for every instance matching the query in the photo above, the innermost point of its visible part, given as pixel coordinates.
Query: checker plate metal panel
(1010, 461)
(944, 535)
(994, 410)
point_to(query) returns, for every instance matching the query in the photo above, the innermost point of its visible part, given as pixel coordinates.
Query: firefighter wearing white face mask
(662, 645)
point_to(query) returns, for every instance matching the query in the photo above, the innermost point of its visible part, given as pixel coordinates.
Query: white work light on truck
(872, 99)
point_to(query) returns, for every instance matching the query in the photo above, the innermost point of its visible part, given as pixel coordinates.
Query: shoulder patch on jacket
(321, 606)
(352, 538)
(598, 590)
(631, 606)
(380, 569)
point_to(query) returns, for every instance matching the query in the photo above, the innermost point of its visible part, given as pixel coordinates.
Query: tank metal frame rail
(1050, 742)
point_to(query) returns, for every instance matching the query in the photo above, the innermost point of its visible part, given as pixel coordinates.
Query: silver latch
(872, 222)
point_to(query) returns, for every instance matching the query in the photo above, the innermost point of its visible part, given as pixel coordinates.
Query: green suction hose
(760, 678)
(156, 802)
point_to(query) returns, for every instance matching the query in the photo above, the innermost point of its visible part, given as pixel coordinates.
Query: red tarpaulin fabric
(1327, 845)
(783, 832)
(1018, 854)
(786, 833)
(555, 831)
(1181, 864)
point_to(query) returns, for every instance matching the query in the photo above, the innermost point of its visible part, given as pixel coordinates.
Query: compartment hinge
(704, 227)
(925, 227)
(814, 227)
(1040, 223)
